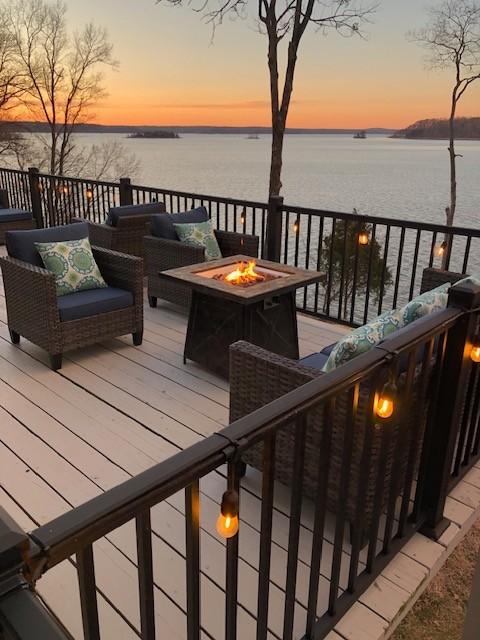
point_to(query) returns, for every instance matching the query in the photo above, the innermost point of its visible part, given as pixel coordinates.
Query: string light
(385, 401)
(296, 226)
(89, 194)
(440, 249)
(363, 238)
(227, 522)
(475, 351)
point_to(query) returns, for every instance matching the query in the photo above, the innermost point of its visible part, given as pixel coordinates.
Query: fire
(244, 274)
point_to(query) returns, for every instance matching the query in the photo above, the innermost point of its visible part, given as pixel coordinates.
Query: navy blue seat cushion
(149, 208)
(84, 304)
(12, 215)
(21, 244)
(317, 360)
(162, 224)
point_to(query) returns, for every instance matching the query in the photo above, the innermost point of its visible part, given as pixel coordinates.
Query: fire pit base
(214, 324)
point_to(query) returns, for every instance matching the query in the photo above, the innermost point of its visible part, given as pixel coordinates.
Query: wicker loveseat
(125, 228)
(257, 377)
(12, 218)
(164, 251)
(58, 324)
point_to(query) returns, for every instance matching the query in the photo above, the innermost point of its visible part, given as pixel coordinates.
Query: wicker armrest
(101, 235)
(31, 296)
(432, 278)
(162, 254)
(232, 243)
(258, 376)
(120, 269)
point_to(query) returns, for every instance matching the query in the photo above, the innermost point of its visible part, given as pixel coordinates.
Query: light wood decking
(114, 410)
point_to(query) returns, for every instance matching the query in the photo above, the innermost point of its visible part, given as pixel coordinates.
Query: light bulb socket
(229, 506)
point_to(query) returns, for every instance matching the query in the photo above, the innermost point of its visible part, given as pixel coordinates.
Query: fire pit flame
(244, 274)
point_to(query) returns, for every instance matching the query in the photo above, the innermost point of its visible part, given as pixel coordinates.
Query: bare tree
(452, 38)
(286, 22)
(61, 73)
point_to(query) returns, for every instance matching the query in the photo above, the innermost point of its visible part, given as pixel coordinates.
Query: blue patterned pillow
(199, 234)
(364, 338)
(427, 303)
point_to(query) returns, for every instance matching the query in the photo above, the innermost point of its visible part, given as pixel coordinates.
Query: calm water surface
(405, 179)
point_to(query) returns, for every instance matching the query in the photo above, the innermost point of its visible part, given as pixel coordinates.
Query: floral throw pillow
(73, 265)
(199, 234)
(426, 303)
(364, 338)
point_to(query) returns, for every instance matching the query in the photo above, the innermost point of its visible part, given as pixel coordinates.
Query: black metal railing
(370, 263)
(378, 479)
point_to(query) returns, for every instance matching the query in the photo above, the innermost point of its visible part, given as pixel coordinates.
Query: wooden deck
(113, 411)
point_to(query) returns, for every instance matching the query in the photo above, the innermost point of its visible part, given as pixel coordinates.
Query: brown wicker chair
(162, 254)
(33, 311)
(125, 228)
(258, 376)
(12, 219)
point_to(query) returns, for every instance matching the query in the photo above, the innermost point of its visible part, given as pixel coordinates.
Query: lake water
(405, 179)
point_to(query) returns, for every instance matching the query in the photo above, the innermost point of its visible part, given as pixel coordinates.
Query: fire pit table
(237, 298)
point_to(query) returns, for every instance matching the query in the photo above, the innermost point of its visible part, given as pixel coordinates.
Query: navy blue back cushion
(133, 210)
(162, 224)
(21, 244)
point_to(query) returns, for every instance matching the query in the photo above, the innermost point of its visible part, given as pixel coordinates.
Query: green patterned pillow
(426, 303)
(73, 265)
(364, 338)
(199, 234)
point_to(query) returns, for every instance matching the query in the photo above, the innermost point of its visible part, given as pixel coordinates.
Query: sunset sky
(172, 73)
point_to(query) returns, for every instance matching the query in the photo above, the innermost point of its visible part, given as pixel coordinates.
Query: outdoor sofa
(163, 251)
(125, 228)
(58, 324)
(11, 218)
(257, 377)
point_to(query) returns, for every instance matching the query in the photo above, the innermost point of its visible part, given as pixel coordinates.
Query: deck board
(111, 412)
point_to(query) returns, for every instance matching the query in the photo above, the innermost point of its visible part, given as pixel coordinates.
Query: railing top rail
(102, 183)
(200, 196)
(16, 171)
(61, 537)
(395, 222)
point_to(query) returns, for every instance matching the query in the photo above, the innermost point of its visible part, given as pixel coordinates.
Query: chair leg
(137, 338)
(55, 361)
(152, 301)
(14, 336)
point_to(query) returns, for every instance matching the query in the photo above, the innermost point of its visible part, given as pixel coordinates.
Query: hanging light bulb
(227, 522)
(385, 401)
(475, 351)
(296, 226)
(440, 249)
(89, 194)
(242, 217)
(363, 238)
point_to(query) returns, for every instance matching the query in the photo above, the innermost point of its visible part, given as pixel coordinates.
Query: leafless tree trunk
(289, 20)
(452, 39)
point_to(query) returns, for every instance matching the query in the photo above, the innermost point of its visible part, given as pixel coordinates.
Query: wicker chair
(257, 377)
(34, 312)
(12, 219)
(125, 228)
(162, 254)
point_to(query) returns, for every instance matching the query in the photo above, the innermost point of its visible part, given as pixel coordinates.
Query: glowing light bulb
(363, 238)
(296, 226)
(475, 353)
(227, 522)
(385, 402)
(89, 194)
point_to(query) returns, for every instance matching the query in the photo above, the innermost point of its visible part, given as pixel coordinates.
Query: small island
(155, 133)
(437, 129)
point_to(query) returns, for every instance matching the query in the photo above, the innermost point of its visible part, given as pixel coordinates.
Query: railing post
(35, 198)
(273, 241)
(126, 196)
(22, 615)
(448, 411)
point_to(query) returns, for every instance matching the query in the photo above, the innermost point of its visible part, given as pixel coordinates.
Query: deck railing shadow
(406, 464)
